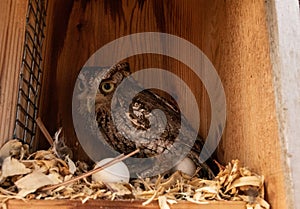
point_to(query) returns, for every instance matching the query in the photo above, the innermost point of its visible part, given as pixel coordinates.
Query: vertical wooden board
(12, 30)
(251, 133)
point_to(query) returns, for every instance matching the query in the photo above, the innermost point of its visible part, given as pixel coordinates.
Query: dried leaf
(12, 167)
(55, 177)
(10, 148)
(59, 147)
(32, 182)
(71, 165)
(118, 189)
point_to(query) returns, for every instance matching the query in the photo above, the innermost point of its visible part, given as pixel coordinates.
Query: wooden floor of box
(106, 204)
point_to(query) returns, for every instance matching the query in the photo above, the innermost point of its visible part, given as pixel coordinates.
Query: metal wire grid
(31, 72)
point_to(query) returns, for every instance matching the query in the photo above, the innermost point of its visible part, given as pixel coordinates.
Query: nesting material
(24, 175)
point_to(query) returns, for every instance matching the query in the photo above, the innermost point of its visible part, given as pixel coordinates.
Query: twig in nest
(44, 130)
(106, 165)
(221, 167)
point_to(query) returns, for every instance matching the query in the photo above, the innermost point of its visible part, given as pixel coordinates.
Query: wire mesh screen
(31, 72)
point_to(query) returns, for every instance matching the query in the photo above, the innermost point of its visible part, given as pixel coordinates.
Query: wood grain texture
(12, 30)
(251, 133)
(232, 34)
(105, 204)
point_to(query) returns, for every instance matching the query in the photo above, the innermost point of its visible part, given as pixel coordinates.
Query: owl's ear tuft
(124, 66)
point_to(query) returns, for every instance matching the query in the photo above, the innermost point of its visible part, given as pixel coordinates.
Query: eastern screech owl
(140, 114)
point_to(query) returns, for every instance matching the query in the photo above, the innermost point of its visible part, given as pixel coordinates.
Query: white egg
(116, 173)
(186, 166)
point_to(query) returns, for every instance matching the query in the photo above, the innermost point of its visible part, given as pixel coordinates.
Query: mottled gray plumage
(150, 135)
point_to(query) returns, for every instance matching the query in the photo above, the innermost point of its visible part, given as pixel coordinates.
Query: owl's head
(96, 86)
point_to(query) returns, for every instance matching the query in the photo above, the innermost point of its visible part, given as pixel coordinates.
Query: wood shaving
(162, 202)
(24, 175)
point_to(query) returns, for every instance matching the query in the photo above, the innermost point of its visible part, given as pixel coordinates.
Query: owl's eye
(107, 87)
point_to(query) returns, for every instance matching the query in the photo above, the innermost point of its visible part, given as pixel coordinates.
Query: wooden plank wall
(233, 34)
(12, 31)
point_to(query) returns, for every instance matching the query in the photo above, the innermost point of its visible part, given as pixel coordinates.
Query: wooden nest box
(38, 74)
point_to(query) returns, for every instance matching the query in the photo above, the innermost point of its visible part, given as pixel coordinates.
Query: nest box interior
(232, 34)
